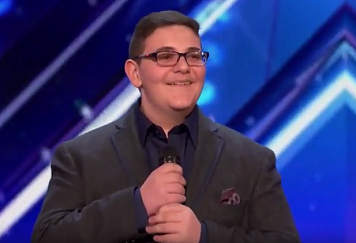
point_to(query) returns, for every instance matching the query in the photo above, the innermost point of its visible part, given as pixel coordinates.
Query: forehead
(180, 38)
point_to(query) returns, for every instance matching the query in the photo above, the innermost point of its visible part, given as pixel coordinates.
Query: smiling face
(169, 88)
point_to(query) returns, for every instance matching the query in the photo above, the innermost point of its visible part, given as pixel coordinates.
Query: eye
(166, 55)
(195, 55)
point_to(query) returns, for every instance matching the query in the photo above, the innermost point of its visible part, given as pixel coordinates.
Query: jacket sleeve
(64, 217)
(141, 213)
(270, 218)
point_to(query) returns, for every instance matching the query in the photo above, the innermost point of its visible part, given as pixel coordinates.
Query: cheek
(153, 76)
(200, 78)
(199, 74)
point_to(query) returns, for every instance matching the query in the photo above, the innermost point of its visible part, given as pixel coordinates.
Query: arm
(203, 233)
(141, 212)
(270, 217)
(65, 218)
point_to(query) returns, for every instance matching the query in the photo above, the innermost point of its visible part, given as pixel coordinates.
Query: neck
(163, 118)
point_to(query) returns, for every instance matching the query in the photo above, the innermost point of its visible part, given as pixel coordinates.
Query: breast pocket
(225, 214)
(228, 215)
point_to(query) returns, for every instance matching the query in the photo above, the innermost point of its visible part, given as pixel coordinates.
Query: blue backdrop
(281, 72)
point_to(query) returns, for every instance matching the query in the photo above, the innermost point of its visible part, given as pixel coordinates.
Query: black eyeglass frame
(155, 54)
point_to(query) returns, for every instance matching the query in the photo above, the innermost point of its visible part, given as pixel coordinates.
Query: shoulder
(92, 141)
(245, 148)
(99, 137)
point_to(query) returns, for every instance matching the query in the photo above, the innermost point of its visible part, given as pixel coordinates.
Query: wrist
(145, 201)
(203, 236)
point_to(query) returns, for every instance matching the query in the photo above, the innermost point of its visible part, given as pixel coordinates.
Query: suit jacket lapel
(206, 158)
(129, 150)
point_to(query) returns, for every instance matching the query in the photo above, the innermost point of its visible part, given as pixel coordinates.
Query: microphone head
(169, 155)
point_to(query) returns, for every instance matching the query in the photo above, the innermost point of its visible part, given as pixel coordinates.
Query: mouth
(180, 83)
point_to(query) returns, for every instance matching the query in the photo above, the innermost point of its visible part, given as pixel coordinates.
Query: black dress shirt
(153, 139)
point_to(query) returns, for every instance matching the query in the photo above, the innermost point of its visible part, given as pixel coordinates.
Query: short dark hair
(149, 23)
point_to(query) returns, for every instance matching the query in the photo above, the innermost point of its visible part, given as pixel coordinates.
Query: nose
(182, 66)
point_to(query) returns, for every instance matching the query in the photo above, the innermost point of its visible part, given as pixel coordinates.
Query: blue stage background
(281, 72)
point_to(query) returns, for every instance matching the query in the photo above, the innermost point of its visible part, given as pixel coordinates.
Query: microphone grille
(169, 151)
(170, 155)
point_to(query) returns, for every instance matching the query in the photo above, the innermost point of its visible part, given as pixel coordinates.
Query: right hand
(163, 186)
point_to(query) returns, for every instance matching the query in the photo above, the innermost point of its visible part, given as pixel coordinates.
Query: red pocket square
(230, 197)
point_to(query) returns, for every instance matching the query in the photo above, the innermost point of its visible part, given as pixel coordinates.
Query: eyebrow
(169, 48)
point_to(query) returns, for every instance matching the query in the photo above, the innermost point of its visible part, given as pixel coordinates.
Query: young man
(108, 186)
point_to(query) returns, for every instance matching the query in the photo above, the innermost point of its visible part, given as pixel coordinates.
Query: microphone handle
(169, 159)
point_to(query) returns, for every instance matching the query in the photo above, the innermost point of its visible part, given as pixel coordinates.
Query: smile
(181, 83)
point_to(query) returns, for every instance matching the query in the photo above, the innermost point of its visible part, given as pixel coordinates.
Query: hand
(163, 186)
(175, 223)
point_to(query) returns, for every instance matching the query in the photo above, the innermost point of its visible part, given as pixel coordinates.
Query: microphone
(169, 155)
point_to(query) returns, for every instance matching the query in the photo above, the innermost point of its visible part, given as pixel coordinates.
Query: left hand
(175, 223)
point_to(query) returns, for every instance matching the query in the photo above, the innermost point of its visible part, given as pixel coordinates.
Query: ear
(131, 70)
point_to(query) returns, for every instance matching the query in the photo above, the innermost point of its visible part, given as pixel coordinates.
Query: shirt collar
(144, 124)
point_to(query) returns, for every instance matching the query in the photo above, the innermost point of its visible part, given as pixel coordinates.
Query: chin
(179, 108)
(182, 106)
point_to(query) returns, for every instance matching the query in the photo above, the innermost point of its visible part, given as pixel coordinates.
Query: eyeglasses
(171, 58)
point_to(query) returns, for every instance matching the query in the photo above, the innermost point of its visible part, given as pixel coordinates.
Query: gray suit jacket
(90, 195)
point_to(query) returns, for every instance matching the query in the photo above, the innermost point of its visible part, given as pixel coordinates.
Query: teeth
(182, 83)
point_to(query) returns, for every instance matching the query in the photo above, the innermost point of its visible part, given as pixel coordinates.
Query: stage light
(207, 95)
(5, 6)
(216, 53)
(212, 13)
(36, 189)
(225, 17)
(338, 92)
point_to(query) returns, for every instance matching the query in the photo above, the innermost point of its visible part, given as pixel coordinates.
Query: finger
(167, 238)
(181, 180)
(175, 188)
(166, 217)
(174, 177)
(170, 167)
(175, 198)
(164, 228)
(172, 207)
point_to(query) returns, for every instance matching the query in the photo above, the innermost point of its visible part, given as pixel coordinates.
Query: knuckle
(169, 199)
(178, 198)
(162, 168)
(171, 189)
(175, 198)
(170, 166)
(162, 227)
(179, 169)
(174, 176)
(178, 178)
(164, 189)
(179, 188)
